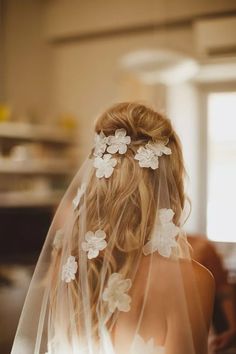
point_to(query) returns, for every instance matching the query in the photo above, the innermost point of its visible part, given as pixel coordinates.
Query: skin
(178, 306)
(205, 253)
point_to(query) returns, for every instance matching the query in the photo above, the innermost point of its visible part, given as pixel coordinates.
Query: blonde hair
(128, 196)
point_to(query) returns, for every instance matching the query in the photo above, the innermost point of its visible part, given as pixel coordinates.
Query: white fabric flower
(158, 148)
(95, 242)
(115, 291)
(80, 193)
(57, 242)
(104, 165)
(141, 347)
(100, 144)
(69, 269)
(164, 234)
(118, 142)
(148, 156)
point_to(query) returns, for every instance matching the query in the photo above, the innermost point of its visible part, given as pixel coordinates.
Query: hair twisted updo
(140, 122)
(143, 124)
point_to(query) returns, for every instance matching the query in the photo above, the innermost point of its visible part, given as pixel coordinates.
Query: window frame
(204, 90)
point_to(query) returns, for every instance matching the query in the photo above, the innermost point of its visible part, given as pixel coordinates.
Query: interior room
(62, 63)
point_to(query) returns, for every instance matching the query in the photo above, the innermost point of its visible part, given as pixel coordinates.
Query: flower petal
(149, 248)
(113, 162)
(120, 132)
(154, 164)
(100, 234)
(124, 303)
(158, 148)
(169, 230)
(164, 250)
(69, 269)
(97, 162)
(84, 246)
(125, 285)
(88, 235)
(122, 149)
(100, 173)
(114, 277)
(165, 215)
(106, 158)
(112, 306)
(127, 140)
(101, 245)
(108, 171)
(93, 253)
(112, 149)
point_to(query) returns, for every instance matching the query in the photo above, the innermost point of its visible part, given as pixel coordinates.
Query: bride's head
(129, 182)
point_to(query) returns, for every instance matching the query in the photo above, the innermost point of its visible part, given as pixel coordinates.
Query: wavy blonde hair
(129, 196)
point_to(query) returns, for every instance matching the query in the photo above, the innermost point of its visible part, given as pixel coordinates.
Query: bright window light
(221, 183)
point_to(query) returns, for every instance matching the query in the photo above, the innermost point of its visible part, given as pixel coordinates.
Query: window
(221, 167)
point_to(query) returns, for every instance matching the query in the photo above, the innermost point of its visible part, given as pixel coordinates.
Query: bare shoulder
(200, 277)
(202, 287)
(205, 281)
(181, 291)
(195, 278)
(170, 272)
(203, 275)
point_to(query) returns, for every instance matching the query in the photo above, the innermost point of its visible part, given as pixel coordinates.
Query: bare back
(177, 310)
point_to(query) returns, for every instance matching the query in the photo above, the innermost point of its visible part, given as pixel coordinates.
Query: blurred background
(61, 64)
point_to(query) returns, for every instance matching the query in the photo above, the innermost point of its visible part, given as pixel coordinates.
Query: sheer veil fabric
(115, 274)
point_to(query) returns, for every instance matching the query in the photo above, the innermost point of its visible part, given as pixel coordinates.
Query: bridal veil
(115, 273)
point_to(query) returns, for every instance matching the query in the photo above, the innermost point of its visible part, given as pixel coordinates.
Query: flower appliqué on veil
(141, 347)
(115, 293)
(118, 142)
(148, 156)
(104, 165)
(100, 144)
(164, 234)
(95, 242)
(159, 148)
(80, 193)
(69, 269)
(57, 242)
